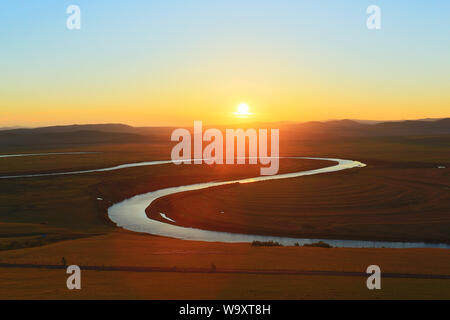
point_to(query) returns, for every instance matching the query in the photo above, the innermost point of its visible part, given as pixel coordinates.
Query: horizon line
(362, 121)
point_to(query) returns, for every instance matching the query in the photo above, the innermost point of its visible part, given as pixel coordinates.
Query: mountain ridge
(122, 133)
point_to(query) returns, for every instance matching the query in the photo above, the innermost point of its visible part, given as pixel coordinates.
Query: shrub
(266, 244)
(320, 244)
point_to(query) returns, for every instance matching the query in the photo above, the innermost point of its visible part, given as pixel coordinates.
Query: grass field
(379, 202)
(45, 285)
(123, 248)
(401, 195)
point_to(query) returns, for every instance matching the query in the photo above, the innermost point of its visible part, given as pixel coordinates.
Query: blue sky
(159, 57)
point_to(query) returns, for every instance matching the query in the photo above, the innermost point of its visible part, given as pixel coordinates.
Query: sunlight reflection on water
(130, 214)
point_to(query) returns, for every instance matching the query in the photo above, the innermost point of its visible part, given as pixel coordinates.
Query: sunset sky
(172, 62)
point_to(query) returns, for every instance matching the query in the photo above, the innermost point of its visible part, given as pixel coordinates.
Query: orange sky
(154, 63)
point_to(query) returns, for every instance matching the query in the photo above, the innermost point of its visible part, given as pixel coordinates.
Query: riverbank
(385, 201)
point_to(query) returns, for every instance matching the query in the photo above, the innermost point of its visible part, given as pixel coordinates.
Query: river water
(130, 214)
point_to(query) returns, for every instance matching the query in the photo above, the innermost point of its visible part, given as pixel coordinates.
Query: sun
(243, 110)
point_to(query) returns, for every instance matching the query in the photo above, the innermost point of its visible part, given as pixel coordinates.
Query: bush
(320, 244)
(266, 244)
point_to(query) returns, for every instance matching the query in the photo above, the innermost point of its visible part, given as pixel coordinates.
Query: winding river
(42, 154)
(130, 214)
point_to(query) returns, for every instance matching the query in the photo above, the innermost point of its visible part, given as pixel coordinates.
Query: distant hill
(350, 128)
(76, 127)
(13, 139)
(121, 133)
(10, 128)
(380, 121)
(82, 134)
(422, 127)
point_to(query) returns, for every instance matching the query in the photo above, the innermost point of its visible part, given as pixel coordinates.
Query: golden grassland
(70, 202)
(102, 156)
(54, 217)
(123, 248)
(48, 284)
(379, 202)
